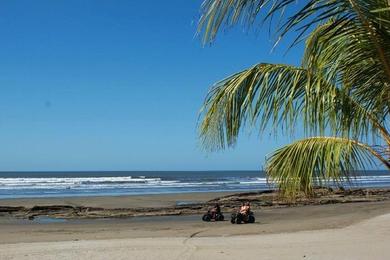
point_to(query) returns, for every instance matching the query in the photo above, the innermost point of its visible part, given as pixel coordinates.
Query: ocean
(107, 183)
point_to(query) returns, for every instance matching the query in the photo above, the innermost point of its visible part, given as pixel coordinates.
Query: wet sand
(270, 220)
(187, 237)
(110, 202)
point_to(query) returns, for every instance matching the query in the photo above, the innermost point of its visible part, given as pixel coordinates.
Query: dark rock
(51, 208)
(11, 209)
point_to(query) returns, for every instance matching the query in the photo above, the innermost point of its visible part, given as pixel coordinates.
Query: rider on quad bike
(244, 215)
(213, 213)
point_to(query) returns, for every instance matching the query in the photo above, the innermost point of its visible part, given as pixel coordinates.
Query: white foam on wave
(118, 182)
(153, 183)
(42, 183)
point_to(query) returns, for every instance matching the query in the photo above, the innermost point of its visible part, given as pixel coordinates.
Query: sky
(117, 85)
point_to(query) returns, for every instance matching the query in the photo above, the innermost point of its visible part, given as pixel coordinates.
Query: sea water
(66, 184)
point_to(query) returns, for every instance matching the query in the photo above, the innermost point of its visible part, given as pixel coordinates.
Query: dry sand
(339, 231)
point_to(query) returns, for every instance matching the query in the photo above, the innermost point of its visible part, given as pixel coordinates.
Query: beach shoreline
(304, 229)
(152, 215)
(269, 221)
(119, 201)
(337, 231)
(176, 204)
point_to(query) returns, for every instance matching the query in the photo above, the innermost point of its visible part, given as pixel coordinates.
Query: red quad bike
(209, 216)
(238, 218)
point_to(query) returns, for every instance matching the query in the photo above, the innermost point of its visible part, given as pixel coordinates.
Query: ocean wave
(79, 186)
(110, 182)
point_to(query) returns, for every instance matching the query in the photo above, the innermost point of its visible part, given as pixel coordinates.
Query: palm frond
(218, 13)
(279, 95)
(347, 54)
(267, 91)
(341, 89)
(317, 160)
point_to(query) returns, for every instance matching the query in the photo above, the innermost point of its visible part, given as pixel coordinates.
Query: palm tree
(341, 91)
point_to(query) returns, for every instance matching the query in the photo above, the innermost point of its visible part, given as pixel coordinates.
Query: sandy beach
(365, 240)
(333, 231)
(132, 201)
(210, 129)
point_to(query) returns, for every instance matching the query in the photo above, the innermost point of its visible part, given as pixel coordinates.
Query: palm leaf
(267, 91)
(279, 95)
(216, 14)
(345, 52)
(317, 160)
(341, 89)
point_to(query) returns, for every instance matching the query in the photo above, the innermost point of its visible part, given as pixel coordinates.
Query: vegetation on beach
(341, 90)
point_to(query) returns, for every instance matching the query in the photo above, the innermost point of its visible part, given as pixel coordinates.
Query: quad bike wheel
(251, 219)
(206, 218)
(233, 219)
(239, 219)
(220, 217)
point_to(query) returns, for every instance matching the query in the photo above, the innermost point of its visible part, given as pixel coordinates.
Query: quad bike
(209, 216)
(238, 218)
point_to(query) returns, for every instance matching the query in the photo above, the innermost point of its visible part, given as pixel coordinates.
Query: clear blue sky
(117, 85)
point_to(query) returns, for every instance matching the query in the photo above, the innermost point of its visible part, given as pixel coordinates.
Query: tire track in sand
(190, 249)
